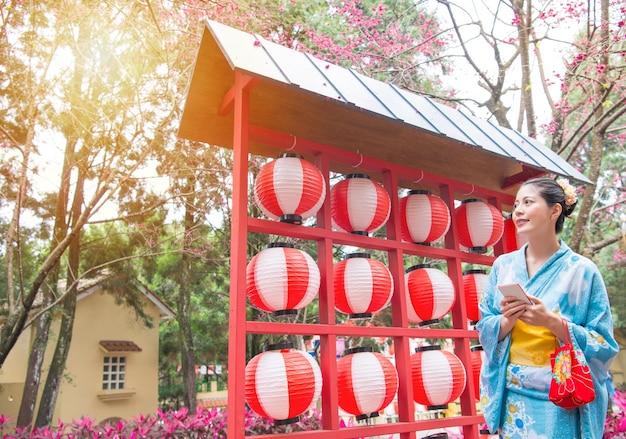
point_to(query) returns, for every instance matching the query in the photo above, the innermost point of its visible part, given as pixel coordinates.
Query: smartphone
(514, 290)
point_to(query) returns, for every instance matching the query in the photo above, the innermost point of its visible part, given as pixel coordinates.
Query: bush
(615, 424)
(166, 424)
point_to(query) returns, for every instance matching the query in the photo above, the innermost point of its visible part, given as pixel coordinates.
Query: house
(112, 366)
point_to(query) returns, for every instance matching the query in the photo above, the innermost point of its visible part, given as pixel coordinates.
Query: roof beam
(522, 176)
(228, 101)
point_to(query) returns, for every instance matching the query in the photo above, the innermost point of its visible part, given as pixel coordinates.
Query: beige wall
(13, 375)
(98, 317)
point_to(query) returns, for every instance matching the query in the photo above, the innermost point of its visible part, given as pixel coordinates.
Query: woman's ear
(556, 211)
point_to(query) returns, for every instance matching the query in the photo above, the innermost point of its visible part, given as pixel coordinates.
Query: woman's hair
(553, 193)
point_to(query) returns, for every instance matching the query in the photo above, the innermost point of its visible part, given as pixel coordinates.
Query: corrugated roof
(307, 97)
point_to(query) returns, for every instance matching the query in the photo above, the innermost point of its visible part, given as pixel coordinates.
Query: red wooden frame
(325, 157)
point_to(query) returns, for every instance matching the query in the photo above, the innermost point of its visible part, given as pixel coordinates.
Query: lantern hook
(421, 177)
(360, 159)
(294, 143)
(470, 192)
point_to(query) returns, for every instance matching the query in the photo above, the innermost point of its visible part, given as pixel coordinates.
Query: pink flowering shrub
(615, 424)
(166, 424)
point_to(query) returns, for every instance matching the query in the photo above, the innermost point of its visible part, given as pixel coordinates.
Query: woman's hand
(511, 309)
(538, 315)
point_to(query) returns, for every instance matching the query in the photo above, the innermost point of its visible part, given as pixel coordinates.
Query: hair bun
(569, 208)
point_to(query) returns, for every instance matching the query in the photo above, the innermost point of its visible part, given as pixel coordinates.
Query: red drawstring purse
(571, 385)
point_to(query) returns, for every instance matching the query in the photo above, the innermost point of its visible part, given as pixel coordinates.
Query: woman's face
(531, 213)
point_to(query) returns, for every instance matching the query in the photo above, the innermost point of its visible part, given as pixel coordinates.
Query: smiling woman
(569, 302)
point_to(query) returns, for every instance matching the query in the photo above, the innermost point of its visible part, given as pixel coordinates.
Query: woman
(518, 338)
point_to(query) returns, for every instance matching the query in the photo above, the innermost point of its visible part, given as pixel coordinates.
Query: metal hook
(472, 191)
(360, 159)
(421, 178)
(294, 144)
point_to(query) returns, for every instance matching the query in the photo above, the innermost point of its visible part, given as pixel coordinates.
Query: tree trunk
(57, 366)
(188, 362)
(524, 31)
(35, 365)
(597, 139)
(38, 349)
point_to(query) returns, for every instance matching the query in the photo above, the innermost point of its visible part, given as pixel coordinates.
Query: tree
(90, 83)
(585, 98)
(106, 82)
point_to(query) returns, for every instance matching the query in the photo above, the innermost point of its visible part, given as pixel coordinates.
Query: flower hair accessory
(570, 192)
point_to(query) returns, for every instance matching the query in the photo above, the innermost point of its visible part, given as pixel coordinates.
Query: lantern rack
(394, 178)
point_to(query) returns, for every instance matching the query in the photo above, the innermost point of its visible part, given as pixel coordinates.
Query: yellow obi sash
(531, 345)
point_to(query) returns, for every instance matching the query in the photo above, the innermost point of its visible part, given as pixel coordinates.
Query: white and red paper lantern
(474, 282)
(438, 377)
(282, 279)
(366, 382)
(477, 353)
(425, 218)
(282, 383)
(363, 286)
(511, 240)
(359, 205)
(431, 293)
(480, 225)
(289, 189)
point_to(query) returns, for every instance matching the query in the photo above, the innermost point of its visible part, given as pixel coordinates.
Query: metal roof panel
(335, 84)
(442, 124)
(351, 90)
(244, 51)
(299, 70)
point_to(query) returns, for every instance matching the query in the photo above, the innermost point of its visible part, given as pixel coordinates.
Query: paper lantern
(362, 285)
(366, 382)
(425, 218)
(359, 205)
(282, 279)
(282, 383)
(289, 189)
(438, 377)
(480, 225)
(474, 282)
(477, 352)
(511, 240)
(430, 292)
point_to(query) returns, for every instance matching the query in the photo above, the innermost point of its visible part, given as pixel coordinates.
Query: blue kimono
(515, 378)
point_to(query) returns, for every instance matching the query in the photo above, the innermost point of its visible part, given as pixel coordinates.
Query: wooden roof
(305, 97)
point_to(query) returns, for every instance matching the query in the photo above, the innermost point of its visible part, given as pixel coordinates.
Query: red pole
(238, 258)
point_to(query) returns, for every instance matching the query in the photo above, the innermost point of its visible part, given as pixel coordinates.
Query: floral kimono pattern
(514, 397)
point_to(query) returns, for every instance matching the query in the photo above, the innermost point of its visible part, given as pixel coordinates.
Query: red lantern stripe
(438, 379)
(281, 386)
(363, 385)
(309, 205)
(280, 188)
(410, 309)
(511, 240)
(275, 284)
(477, 362)
(360, 204)
(434, 293)
(361, 377)
(486, 228)
(473, 285)
(430, 218)
(364, 285)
